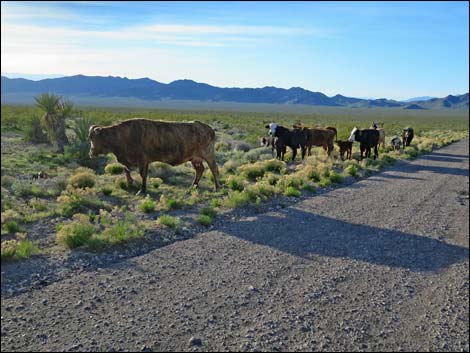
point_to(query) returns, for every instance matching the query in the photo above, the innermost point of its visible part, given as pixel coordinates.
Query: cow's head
(272, 128)
(352, 138)
(98, 145)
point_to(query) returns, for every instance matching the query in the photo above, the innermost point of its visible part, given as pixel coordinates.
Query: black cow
(293, 138)
(367, 138)
(407, 136)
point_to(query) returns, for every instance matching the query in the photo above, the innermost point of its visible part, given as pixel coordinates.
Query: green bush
(173, 204)
(235, 183)
(238, 199)
(123, 230)
(114, 168)
(83, 180)
(291, 191)
(273, 165)
(204, 220)
(156, 182)
(17, 250)
(7, 181)
(336, 178)
(106, 190)
(75, 233)
(11, 227)
(352, 170)
(208, 211)
(252, 171)
(147, 205)
(169, 221)
(324, 182)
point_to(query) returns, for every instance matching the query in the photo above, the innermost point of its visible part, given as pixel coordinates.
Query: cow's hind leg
(214, 169)
(130, 181)
(199, 167)
(143, 169)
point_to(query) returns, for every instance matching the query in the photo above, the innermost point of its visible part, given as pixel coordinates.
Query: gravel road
(378, 265)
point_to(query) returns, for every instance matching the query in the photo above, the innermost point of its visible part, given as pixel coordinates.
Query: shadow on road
(306, 235)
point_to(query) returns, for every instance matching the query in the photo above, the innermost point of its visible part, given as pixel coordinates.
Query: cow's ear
(267, 126)
(95, 129)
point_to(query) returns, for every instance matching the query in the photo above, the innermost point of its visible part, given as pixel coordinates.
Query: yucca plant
(80, 127)
(53, 121)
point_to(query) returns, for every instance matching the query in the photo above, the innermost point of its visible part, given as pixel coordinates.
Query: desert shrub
(252, 171)
(312, 173)
(272, 179)
(336, 177)
(7, 181)
(160, 170)
(310, 188)
(291, 191)
(237, 199)
(222, 146)
(10, 215)
(147, 205)
(114, 168)
(261, 189)
(107, 190)
(205, 220)
(117, 232)
(37, 204)
(33, 132)
(256, 154)
(17, 250)
(273, 165)
(11, 227)
(294, 180)
(235, 183)
(73, 201)
(388, 160)
(215, 203)
(83, 179)
(231, 166)
(121, 183)
(242, 146)
(208, 211)
(324, 182)
(155, 182)
(352, 170)
(169, 221)
(172, 204)
(76, 232)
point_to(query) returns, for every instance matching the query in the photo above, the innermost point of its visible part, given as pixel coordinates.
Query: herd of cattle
(304, 138)
(139, 142)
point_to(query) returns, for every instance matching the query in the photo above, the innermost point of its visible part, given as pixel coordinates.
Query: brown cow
(345, 146)
(138, 142)
(320, 137)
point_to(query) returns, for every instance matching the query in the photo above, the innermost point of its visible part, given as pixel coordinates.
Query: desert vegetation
(92, 208)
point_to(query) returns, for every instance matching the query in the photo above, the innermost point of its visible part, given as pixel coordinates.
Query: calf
(275, 144)
(293, 138)
(407, 136)
(138, 142)
(345, 146)
(368, 138)
(396, 143)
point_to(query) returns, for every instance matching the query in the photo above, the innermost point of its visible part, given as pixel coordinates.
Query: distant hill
(418, 99)
(15, 89)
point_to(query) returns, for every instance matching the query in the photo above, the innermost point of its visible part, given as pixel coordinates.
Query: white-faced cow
(293, 138)
(138, 142)
(368, 138)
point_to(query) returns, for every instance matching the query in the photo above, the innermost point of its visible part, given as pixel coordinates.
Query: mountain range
(147, 89)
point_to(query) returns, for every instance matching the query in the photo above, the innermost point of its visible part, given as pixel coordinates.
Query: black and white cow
(293, 138)
(407, 136)
(368, 138)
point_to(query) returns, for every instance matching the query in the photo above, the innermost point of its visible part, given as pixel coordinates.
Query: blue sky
(395, 50)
